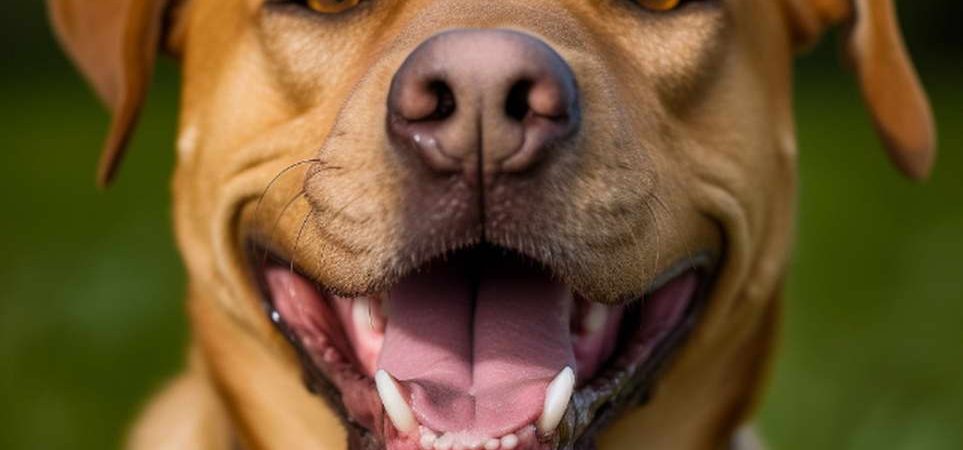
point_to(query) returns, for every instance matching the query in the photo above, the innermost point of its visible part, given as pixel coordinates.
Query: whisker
(316, 166)
(658, 235)
(333, 217)
(277, 220)
(297, 239)
(685, 240)
(632, 234)
(257, 207)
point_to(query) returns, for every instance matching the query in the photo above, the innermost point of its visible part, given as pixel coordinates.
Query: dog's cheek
(740, 148)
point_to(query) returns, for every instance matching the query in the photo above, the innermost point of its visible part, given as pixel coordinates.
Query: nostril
(444, 101)
(481, 102)
(516, 104)
(426, 100)
(549, 99)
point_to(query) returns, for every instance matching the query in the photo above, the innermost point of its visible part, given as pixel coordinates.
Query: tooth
(428, 441)
(384, 308)
(557, 396)
(595, 319)
(509, 441)
(361, 314)
(395, 405)
(367, 315)
(492, 444)
(444, 442)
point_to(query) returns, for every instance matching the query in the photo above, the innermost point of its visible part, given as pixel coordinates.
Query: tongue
(476, 350)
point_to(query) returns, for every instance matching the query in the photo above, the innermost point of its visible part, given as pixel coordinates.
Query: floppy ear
(888, 81)
(114, 43)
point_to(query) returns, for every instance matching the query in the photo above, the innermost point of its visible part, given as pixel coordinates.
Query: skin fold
(687, 144)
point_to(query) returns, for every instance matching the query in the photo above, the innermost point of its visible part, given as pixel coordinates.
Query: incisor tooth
(395, 405)
(444, 442)
(509, 442)
(428, 441)
(557, 396)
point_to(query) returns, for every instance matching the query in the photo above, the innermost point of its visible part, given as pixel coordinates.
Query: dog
(464, 224)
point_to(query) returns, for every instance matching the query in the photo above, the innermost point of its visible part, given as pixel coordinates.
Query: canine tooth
(395, 405)
(509, 441)
(557, 396)
(492, 444)
(595, 318)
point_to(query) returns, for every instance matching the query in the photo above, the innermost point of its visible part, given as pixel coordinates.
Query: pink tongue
(477, 354)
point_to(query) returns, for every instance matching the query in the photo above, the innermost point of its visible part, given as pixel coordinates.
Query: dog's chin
(481, 349)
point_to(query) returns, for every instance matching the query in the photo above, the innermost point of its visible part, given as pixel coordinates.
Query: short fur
(688, 142)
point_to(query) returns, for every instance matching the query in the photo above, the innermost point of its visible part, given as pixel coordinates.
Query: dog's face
(511, 224)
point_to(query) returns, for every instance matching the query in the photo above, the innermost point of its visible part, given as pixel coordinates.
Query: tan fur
(688, 143)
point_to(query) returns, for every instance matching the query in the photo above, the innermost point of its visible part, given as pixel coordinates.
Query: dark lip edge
(315, 381)
(625, 388)
(622, 388)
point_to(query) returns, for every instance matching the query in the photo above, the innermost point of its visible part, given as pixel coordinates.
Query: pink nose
(482, 102)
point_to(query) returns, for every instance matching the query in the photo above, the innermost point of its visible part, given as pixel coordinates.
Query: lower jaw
(332, 370)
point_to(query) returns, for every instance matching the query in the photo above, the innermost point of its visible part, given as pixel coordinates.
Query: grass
(91, 316)
(90, 304)
(871, 355)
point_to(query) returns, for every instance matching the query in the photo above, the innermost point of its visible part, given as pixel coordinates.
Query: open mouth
(482, 348)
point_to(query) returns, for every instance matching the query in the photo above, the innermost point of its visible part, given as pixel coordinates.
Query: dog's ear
(889, 83)
(114, 43)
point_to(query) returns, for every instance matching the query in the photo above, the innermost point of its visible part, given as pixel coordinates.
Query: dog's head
(486, 224)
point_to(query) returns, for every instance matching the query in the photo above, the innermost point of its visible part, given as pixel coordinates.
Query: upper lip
(593, 405)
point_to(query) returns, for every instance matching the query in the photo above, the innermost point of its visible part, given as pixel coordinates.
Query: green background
(91, 314)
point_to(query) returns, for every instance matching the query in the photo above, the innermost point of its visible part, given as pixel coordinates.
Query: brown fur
(688, 143)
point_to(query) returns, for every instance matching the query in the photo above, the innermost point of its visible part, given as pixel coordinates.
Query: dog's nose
(482, 102)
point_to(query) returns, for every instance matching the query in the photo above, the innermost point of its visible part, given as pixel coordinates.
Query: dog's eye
(659, 5)
(331, 6)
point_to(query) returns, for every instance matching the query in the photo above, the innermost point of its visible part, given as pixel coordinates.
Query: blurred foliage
(91, 317)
